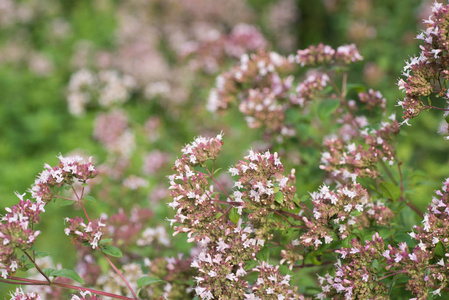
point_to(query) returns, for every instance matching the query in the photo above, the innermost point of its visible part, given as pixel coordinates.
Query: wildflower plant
(255, 229)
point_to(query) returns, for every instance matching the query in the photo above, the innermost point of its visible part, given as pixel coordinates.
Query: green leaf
(105, 241)
(63, 273)
(196, 298)
(146, 280)
(67, 187)
(327, 107)
(279, 197)
(439, 249)
(65, 202)
(276, 189)
(375, 264)
(90, 198)
(111, 250)
(39, 254)
(390, 190)
(263, 254)
(249, 265)
(357, 87)
(84, 184)
(217, 170)
(233, 215)
(356, 213)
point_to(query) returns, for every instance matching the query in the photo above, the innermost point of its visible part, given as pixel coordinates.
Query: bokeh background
(127, 82)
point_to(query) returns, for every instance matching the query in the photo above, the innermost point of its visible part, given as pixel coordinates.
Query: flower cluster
(66, 172)
(221, 264)
(326, 55)
(310, 87)
(211, 54)
(20, 295)
(195, 203)
(258, 87)
(338, 212)
(270, 284)
(346, 161)
(357, 277)
(17, 225)
(112, 130)
(108, 87)
(16, 232)
(228, 245)
(262, 189)
(82, 233)
(427, 74)
(373, 99)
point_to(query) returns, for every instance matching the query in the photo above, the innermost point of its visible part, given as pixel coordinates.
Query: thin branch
(26, 281)
(37, 267)
(121, 275)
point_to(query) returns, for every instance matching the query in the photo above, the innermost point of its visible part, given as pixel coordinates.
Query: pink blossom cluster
(347, 161)
(221, 264)
(227, 245)
(18, 294)
(270, 284)
(195, 203)
(356, 279)
(310, 88)
(81, 232)
(262, 188)
(107, 87)
(17, 232)
(17, 225)
(427, 74)
(112, 130)
(373, 99)
(211, 54)
(338, 212)
(326, 55)
(66, 172)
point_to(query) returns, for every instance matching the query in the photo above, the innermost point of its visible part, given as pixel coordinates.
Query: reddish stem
(25, 281)
(121, 276)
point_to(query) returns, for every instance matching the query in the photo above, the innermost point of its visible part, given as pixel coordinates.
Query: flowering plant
(257, 230)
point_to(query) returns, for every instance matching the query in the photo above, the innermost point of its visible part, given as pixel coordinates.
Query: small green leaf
(263, 254)
(249, 265)
(327, 107)
(279, 197)
(84, 184)
(67, 274)
(39, 254)
(439, 249)
(390, 190)
(146, 280)
(63, 273)
(68, 187)
(105, 241)
(356, 213)
(196, 298)
(316, 259)
(90, 198)
(233, 215)
(65, 202)
(217, 170)
(375, 264)
(357, 87)
(111, 250)
(218, 215)
(276, 189)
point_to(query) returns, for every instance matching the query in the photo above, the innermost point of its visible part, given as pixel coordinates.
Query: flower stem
(37, 267)
(25, 281)
(121, 275)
